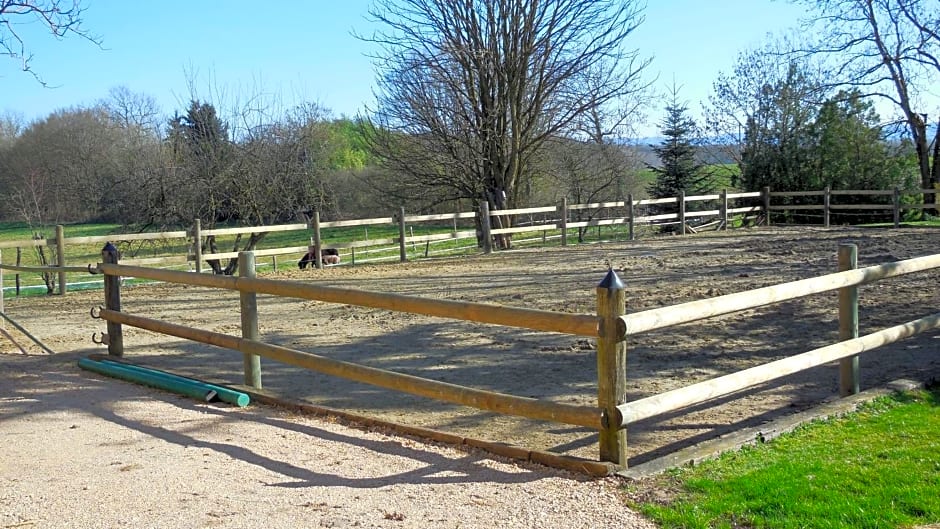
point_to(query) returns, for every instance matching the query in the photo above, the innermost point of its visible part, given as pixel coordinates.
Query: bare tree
(472, 90)
(61, 17)
(887, 49)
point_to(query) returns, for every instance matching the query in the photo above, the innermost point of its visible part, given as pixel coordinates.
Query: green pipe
(112, 370)
(224, 394)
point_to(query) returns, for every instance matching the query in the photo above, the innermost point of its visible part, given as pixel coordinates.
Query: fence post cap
(611, 281)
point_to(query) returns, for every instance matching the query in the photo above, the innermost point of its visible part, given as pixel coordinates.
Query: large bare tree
(471, 90)
(888, 49)
(60, 17)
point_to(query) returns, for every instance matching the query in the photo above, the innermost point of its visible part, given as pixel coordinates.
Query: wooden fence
(824, 208)
(691, 213)
(252, 348)
(557, 220)
(611, 327)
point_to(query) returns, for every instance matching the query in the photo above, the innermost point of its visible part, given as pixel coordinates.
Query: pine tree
(680, 171)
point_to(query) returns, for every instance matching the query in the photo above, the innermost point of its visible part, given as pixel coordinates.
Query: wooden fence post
(630, 225)
(848, 321)
(402, 250)
(112, 301)
(197, 244)
(16, 276)
(249, 316)
(60, 257)
(723, 209)
(681, 201)
(563, 214)
(485, 225)
(2, 324)
(765, 194)
(897, 207)
(827, 200)
(317, 240)
(611, 366)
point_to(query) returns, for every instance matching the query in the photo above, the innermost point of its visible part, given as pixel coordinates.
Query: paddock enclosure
(548, 366)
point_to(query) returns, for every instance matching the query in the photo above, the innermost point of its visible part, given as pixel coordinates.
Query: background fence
(470, 231)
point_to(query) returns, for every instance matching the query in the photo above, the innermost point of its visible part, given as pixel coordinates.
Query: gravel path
(85, 451)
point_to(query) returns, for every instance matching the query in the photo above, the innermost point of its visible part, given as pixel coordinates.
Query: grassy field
(83, 254)
(878, 468)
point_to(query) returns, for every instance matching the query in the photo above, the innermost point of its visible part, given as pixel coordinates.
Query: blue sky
(304, 50)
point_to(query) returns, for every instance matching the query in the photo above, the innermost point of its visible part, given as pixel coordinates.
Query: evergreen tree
(680, 170)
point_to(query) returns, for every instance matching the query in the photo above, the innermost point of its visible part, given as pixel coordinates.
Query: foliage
(850, 150)
(680, 168)
(890, 50)
(792, 137)
(876, 468)
(775, 152)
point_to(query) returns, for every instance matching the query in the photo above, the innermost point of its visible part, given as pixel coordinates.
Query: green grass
(82, 254)
(878, 468)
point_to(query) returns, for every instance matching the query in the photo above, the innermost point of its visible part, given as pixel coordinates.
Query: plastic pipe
(224, 394)
(109, 369)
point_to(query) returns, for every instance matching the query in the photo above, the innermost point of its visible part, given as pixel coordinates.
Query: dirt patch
(561, 368)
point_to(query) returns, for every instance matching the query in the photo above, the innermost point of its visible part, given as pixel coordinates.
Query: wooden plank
(797, 207)
(365, 244)
(705, 308)
(587, 416)
(26, 243)
(752, 209)
(255, 229)
(117, 237)
(725, 385)
(446, 216)
(861, 206)
(647, 201)
(751, 194)
(442, 236)
(599, 205)
(175, 259)
(523, 229)
(706, 213)
(797, 193)
(562, 322)
(259, 253)
(865, 192)
(696, 198)
(42, 269)
(664, 216)
(360, 222)
(544, 209)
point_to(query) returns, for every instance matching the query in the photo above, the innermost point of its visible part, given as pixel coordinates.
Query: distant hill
(709, 154)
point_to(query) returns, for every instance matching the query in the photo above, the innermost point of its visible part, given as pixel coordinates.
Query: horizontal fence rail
(706, 308)
(718, 387)
(540, 320)
(587, 416)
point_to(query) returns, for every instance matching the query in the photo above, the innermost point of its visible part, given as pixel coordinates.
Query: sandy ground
(263, 463)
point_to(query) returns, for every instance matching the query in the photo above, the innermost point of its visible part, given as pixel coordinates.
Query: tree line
(511, 102)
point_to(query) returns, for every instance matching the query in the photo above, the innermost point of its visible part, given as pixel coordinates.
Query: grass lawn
(83, 254)
(877, 468)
